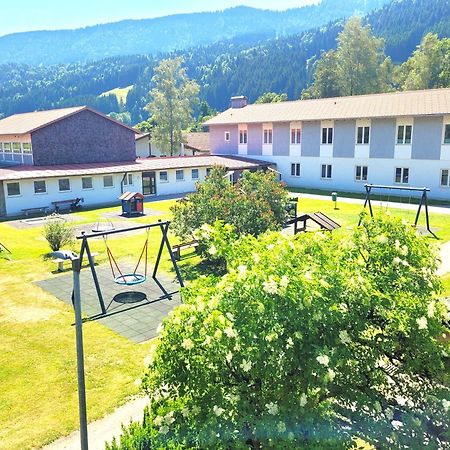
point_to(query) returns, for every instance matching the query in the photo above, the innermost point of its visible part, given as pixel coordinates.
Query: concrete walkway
(105, 429)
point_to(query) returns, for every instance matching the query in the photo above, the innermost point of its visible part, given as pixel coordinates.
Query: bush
(57, 232)
(255, 204)
(306, 343)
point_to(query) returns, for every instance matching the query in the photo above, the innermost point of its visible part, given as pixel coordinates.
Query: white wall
(380, 171)
(142, 149)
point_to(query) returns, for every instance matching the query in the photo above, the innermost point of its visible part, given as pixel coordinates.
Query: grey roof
(393, 104)
(28, 122)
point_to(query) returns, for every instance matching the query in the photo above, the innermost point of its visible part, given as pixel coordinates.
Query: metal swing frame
(423, 201)
(163, 226)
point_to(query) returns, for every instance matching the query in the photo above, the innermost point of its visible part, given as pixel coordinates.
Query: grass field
(38, 395)
(120, 93)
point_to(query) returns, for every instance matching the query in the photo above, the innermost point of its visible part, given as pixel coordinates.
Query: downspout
(121, 183)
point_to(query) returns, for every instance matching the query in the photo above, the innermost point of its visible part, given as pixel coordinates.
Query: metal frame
(164, 227)
(423, 200)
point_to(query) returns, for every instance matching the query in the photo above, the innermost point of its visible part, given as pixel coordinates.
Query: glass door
(149, 183)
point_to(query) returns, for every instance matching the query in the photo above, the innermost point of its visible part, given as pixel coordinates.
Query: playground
(38, 360)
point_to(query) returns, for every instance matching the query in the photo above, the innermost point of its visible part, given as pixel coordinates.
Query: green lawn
(120, 93)
(38, 395)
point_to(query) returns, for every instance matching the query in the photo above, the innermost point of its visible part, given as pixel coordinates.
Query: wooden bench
(320, 219)
(72, 204)
(37, 209)
(61, 262)
(176, 249)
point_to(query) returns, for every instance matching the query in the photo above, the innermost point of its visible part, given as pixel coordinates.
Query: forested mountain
(170, 33)
(232, 67)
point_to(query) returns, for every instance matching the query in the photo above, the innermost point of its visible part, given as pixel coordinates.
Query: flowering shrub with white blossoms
(305, 343)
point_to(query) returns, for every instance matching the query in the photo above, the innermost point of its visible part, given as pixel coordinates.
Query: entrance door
(149, 183)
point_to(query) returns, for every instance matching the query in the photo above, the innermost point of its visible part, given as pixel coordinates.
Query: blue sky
(27, 15)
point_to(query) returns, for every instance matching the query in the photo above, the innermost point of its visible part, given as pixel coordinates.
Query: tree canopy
(271, 97)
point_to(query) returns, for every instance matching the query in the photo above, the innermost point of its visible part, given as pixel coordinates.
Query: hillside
(171, 33)
(226, 68)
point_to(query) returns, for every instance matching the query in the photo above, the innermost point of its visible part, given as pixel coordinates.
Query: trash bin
(334, 196)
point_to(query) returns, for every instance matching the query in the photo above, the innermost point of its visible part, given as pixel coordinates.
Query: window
(128, 179)
(194, 174)
(26, 148)
(447, 133)
(363, 135)
(242, 136)
(404, 133)
(327, 135)
(402, 175)
(7, 147)
(163, 178)
(295, 170)
(267, 136)
(227, 136)
(326, 171)
(86, 183)
(1, 147)
(108, 181)
(208, 171)
(179, 175)
(64, 184)
(13, 189)
(40, 187)
(17, 148)
(296, 134)
(445, 178)
(361, 173)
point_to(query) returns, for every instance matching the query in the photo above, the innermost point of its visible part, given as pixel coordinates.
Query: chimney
(240, 101)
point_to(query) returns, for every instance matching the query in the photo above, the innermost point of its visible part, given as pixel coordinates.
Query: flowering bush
(255, 204)
(306, 342)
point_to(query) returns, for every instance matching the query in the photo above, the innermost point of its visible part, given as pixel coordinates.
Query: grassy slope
(38, 398)
(120, 93)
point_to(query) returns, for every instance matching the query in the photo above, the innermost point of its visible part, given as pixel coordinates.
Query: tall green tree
(173, 99)
(271, 97)
(358, 66)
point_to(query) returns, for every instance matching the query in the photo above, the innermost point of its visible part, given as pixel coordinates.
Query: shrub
(255, 204)
(57, 232)
(306, 343)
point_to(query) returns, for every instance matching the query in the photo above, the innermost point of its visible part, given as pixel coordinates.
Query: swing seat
(130, 279)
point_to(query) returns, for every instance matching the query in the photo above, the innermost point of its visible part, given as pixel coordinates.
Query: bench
(61, 262)
(37, 209)
(176, 249)
(72, 204)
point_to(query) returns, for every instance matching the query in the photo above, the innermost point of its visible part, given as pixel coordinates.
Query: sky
(28, 15)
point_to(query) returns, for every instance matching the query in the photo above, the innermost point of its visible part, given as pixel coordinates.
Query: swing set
(380, 187)
(140, 273)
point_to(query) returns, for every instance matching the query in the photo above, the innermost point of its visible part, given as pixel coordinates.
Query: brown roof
(28, 122)
(198, 141)
(143, 164)
(394, 104)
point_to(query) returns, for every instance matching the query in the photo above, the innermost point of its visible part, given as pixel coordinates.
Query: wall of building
(84, 137)
(217, 140)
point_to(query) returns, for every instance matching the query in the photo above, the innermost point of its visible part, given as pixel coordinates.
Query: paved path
(105, 429)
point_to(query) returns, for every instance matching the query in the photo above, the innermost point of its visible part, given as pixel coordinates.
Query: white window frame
(402, 175)
(226, 136)
(19, 152)
(27, 151)
(328, 125)
(65, 190)
(192, 174)
(445, 125)
(176, 175)
(242, 139)
(361, 175)
(448, 178)
(161, 180)
(404, 123)
(296, 136)
(34, 187)
(267, 134)
(328, 171)
(296, 170)
(13, 195)
(9, 152)
(112, 179)
(128, 179)
(363, 124)
(87, 188)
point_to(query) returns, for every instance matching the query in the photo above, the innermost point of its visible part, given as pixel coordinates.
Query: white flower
(331, 374)
(158, 420)
(218, 411)
(397, 260)
(195, 410)
(289, 342)
(382, 239)
(404, 250)
(246, 365)
(187, 344)
(168, 418)
(212, 250)
(230, 332)
(281, 427)
(303, 400)
(185, 411)
(271, 337)
(218, 334)
(397, 244)
(344, 337)
(208, 340)
(291, 436)
(256, 258)
(323, 359)
(422, 323)
(308, 275)
(431, 309)
(229, 357)
(270, 247)
(230, 316)
(242, 272)
(446, 404)
(272, 408)
(164, 429)
(284, 281)
(270, 286)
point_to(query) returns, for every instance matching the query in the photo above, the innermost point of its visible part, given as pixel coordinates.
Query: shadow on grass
(192, 267)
